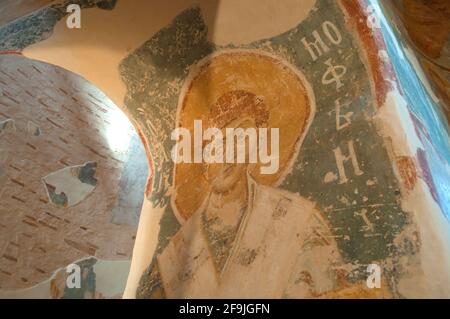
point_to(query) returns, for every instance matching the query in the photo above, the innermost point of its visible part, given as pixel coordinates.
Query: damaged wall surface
(65, 174)
(364, 158)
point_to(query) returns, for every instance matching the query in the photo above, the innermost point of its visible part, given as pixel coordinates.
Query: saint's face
(223, 177)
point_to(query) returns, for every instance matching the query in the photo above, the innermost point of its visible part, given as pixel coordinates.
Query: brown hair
(235, 104)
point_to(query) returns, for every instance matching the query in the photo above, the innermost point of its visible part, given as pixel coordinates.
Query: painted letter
(347, 116)
(341, 159)
(337, 35)
(313, 47)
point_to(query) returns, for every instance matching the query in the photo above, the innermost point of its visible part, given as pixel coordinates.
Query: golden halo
(286, 95)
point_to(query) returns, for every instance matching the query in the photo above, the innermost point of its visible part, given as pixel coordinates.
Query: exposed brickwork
(74, 118)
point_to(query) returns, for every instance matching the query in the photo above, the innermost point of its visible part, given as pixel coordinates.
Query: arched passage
(73, 171)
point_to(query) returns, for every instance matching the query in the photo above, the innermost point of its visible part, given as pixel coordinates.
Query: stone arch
(73, 174)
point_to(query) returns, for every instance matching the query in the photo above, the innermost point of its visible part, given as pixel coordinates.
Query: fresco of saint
(240, 235)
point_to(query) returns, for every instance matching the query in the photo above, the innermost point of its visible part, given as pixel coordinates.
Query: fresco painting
(220, 234)
(348, 171)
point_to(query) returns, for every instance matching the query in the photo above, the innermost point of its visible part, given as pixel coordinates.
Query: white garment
(275, 245)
